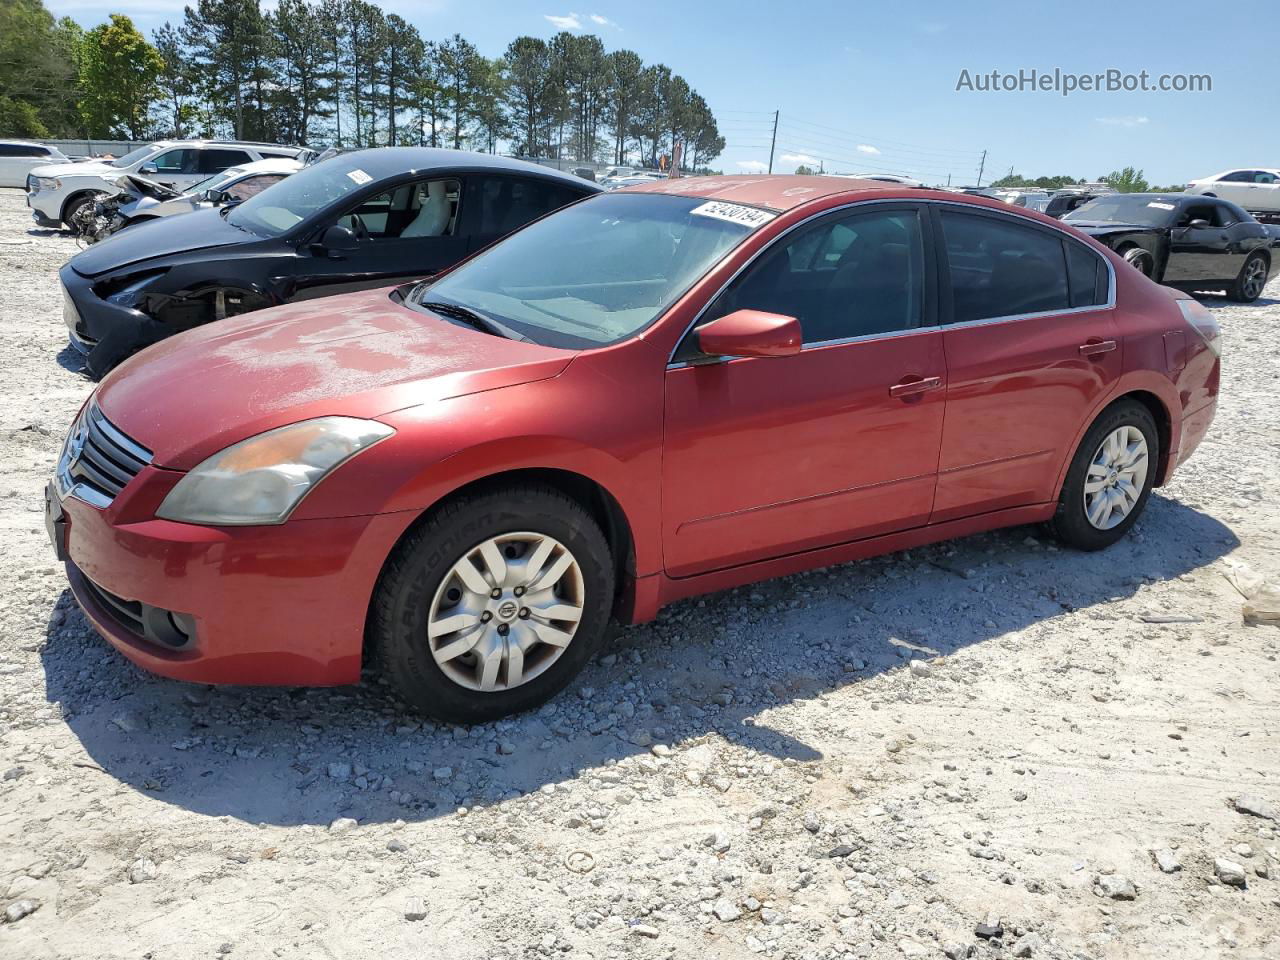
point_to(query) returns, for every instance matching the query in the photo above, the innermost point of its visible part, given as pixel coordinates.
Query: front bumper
(275, 605)
(106, 333)
(46, 207)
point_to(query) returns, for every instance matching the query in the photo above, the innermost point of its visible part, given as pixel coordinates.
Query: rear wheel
(1110, 478)
(494, 604)
(1140, 260)
(1249, 284)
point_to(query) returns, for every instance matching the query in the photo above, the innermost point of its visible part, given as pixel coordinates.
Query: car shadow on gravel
(708, 668)
(69, 358)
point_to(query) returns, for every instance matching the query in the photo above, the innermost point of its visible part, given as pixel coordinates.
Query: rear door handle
(911, 388)
(1096, 347)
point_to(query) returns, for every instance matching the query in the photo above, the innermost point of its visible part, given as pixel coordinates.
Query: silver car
(230, 186)
(18, 157)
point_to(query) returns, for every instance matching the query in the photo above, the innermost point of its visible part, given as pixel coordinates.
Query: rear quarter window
(999, 268)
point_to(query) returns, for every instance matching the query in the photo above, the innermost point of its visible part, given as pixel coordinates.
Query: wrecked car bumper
(105, 332)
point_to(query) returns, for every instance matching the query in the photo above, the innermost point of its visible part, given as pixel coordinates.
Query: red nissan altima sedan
(650, 394)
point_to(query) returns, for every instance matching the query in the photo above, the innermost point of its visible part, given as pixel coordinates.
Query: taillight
(1205, 323)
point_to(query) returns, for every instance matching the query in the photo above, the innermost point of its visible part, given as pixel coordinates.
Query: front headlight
(49, 183)
(262, 479)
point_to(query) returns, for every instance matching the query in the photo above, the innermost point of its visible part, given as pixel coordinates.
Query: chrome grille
(98, 460)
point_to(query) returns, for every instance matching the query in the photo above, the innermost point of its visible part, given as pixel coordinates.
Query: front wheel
(1249, 284)
(1140, 260)
(1110, 478)
(493, 604)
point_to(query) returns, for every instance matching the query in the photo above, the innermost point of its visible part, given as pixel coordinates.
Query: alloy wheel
(1116, 477)
(1255, 278)
(506, 611)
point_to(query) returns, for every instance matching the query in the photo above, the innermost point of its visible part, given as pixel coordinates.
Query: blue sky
(872, 86)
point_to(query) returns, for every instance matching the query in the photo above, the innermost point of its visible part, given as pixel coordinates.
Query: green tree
(492, 121)
(118, 71)
(300, 39)
(176, 81)
(39, 71)
(1128, 180)
(532, 95)
(460, 68)
(623, 93)
(225, 39)
(650, 126)
(805, 171)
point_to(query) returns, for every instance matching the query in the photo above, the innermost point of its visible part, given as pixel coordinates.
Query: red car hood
(355, 355)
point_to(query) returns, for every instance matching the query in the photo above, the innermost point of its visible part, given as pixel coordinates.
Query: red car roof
(776, 191)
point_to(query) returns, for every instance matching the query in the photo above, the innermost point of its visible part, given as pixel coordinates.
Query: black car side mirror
(1198, 224)
(217, 196)
(338, 239)
(147, 169)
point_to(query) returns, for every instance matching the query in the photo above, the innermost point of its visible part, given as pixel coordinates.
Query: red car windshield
(599, 271)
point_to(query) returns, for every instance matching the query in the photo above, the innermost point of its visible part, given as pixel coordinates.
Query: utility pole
(982, 165)
(774, 142)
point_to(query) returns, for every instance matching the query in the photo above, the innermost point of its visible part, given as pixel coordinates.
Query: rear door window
(251, 186)
(218, 159)
(1003, 269)
(506, 203)
(1087, 275)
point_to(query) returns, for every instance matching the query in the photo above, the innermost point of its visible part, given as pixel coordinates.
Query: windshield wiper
(470, 317)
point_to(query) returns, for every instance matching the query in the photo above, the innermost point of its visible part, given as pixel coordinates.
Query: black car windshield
(600, 270)
(286, 204)
(1137, 208)
(133, 156)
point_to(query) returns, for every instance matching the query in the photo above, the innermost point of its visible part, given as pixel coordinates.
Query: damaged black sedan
(1193, 243)
(355, 221)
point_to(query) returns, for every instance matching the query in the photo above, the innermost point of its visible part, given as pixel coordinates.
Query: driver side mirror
(337, 239)
(751, 333)
(1198, 224)
(147, 169)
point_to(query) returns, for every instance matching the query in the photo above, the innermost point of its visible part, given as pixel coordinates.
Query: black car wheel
(1249, 284)
(1140, 260)
(1110, 478)
(493, 604)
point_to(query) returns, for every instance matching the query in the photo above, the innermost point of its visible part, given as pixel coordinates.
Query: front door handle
(915, 387)
(1097, 347)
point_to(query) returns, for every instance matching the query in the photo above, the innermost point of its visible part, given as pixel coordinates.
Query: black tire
(1140, 260)
(1071, 524)
(1249, 284)
(402, 601)
(73, 207)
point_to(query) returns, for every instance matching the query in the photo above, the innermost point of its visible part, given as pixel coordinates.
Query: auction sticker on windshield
(751, 217)
(359, 176)
(1162, 206)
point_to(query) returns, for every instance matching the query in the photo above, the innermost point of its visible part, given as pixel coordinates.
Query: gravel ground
(988, 748)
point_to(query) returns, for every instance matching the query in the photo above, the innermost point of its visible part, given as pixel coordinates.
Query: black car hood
(1097, 228)
(200, 230)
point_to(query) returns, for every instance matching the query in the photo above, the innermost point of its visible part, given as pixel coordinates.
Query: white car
(17, 157)
(1257, 189)
(231, 185)
(1028, 199)
(55, 193)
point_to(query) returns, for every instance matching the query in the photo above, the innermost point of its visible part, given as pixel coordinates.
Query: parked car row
(56, 193)
(462, 477)
(141, 199)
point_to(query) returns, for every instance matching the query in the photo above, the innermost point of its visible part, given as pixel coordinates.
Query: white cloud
(1123, 121)
(570, 22)
(600, 21)
(799, 158)
(869, 149)
(753, 166)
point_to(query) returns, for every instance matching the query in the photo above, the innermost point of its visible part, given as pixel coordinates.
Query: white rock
(725, 911)
(1229, 872)
(415, 908)
(142, 870)
(343, 825)
(19, 909)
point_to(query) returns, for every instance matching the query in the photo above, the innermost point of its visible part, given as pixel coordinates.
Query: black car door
(1200, 245)
(407, 231)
